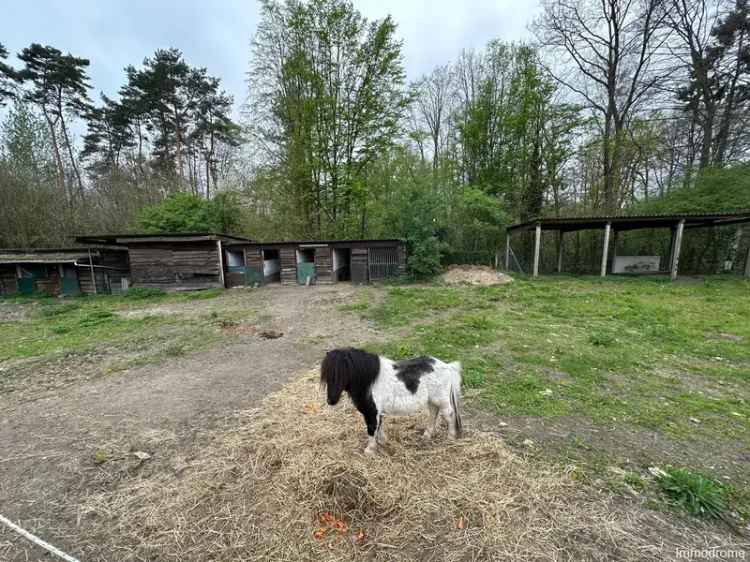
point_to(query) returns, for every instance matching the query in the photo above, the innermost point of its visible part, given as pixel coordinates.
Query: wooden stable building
(204, 260)
(172, 262)
(63, 272)
(612, 225)
(310, 262)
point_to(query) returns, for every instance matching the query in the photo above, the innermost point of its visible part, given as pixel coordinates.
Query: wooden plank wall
(8, 284)
(49, 285)
(359, 266)
(87, 287)
(323, 266)
(166, 266)
(288, 258)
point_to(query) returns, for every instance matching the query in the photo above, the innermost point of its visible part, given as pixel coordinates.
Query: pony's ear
(334, 375)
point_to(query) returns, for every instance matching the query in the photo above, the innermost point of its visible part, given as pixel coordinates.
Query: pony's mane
(349, 369)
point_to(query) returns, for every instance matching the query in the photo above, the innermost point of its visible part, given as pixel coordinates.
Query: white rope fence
(36, 540)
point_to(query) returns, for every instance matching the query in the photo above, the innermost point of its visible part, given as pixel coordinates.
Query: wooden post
(559, 251)
(676, 252)
(91, 267)
(221, 264)
(537, 244)
(605, 250)
(507, 251)
(671, 247)
(747, 264)
(615, 234)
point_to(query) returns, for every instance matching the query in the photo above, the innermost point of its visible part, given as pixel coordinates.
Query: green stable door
(305, 270)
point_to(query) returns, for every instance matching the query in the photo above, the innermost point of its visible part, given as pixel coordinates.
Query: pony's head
(348, 369)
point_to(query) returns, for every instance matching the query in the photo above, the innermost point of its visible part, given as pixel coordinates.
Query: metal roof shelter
(612, 224)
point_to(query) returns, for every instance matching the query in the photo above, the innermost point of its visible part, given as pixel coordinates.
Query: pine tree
(59, 86)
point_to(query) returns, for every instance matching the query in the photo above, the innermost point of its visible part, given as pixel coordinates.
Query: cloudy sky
(115, 33)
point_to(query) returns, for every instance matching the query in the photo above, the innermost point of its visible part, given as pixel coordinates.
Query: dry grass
(289, 481)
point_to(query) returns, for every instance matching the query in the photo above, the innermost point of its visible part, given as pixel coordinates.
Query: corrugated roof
(42, 256)
(168, 237)
(636, 220)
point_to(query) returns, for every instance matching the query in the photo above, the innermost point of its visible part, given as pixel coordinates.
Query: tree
(327, 98)
(59, 87)
(7, 77)
(609, 51)
(213, 126)
(432, 100)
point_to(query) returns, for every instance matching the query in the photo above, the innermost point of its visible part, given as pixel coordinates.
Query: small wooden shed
(314, 261)
(172, 262)
(62, 272)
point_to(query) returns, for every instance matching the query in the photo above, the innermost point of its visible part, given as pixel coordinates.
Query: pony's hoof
(371, 451)
(427, 435)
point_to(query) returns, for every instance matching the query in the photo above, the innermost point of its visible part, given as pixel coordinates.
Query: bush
(183, 212)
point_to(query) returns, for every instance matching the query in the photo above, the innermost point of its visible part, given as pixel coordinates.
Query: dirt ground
(51, 439)
(92, 433)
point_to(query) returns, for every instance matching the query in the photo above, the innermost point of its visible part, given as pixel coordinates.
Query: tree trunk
(56, 150)
(72, 157)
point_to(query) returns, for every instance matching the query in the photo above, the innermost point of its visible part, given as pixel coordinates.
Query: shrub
(698, 494)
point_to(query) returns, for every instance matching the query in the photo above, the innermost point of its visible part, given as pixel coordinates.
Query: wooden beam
(221, 263)
(747, 264)
(91, 267)
(605, 249)
(615, 236)
(507, 251)
(559, 251)
(537, 245)
(676, 252)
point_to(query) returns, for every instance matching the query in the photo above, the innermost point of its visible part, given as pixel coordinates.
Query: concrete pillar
(605, 250)
(674, 266)
(537, 247)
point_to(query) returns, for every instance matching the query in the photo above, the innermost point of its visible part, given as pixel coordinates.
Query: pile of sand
(474, 275)
(289, 481)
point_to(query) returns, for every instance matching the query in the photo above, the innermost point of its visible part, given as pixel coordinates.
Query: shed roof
(322, 242)
(50, 256)
(631, 222)
(127, 239)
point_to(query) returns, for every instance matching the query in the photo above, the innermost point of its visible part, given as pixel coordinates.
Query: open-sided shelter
(613, 224)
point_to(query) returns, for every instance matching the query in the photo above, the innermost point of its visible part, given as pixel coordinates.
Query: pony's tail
(455, 398)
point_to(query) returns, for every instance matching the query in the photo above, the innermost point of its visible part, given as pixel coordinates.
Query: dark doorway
(271, 266)
(342, 264)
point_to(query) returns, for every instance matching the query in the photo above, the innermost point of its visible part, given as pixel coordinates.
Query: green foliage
(715, 189)
(324, 132)
(183, 212)
(698, 494)
(475, 226)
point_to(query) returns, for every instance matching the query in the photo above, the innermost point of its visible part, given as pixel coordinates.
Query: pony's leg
(450, 417)
(433, 422)
(380, 432)
(371, 418)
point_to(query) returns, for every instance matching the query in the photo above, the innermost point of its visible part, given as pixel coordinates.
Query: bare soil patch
(289, 481)
(474, 275)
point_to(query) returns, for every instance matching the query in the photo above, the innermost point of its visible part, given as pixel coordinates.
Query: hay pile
(290, 482)
(474, 275)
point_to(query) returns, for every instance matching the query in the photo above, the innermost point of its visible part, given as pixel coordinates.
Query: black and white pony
(381, 387)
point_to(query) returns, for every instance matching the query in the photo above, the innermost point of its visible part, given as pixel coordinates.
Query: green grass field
(51, 327)
(645, 355)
